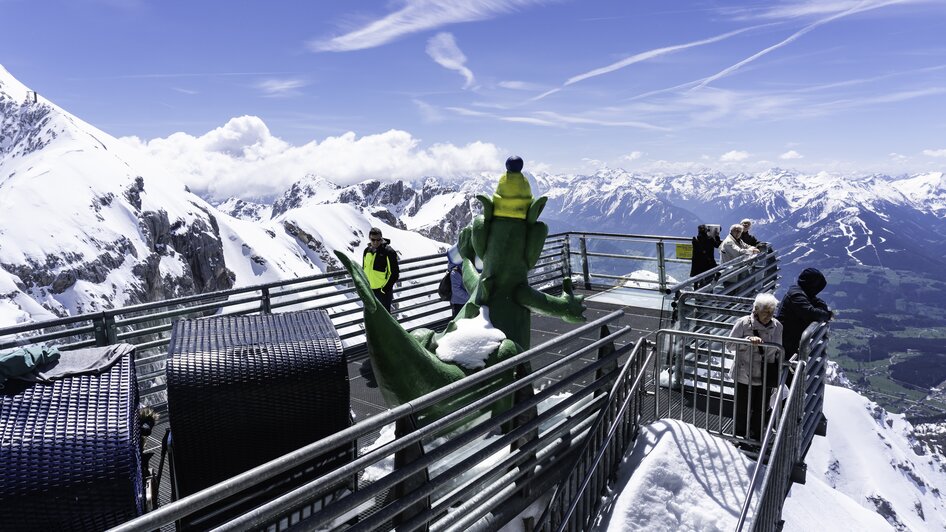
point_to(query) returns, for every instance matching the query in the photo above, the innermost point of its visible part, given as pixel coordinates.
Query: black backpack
(445, 288)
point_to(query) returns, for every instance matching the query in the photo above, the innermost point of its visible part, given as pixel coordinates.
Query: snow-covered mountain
(87, 222)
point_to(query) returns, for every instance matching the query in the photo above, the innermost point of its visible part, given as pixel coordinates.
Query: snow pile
(870, 473)
(471, 342)
(679, 477)
(646, 279)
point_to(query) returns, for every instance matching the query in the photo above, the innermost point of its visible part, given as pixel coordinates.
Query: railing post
(605, 351)
(584, 262)
(661, 266)
(265, 303)
(105, 333)
(567, 258)
(402, 427)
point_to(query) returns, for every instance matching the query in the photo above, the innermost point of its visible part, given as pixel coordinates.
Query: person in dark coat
(748, 239)
(380, 264)
(704, 254)
(458, 294)
(801, 307)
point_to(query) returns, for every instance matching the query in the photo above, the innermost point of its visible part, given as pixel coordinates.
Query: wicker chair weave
(70, 456)
(243, 390)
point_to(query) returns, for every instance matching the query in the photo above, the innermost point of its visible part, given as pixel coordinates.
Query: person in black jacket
(801, 307)
(380, 264)
(704, 256)
(746, 238)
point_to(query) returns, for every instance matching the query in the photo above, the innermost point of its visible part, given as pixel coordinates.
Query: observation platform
(591, 387)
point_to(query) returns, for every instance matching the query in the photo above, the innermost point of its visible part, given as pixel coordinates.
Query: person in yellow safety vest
(380, 264)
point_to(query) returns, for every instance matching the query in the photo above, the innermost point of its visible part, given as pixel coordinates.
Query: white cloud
(443, 49)
(633, 156)
(790, 154)
(276, 88)
(734, 156)
(897, 157)
(935, 153)
(244, 159)
(415, 16)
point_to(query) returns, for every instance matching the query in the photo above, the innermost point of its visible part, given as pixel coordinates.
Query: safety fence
(802, 419)
(415, 474)
(458, 472)
(148, 325)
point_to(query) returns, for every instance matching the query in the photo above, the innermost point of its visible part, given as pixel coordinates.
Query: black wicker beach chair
(70, 455)
(243, 390)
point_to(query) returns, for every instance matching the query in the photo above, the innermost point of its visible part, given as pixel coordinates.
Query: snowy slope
(869, 473)
(874, 458)
(91, 223)
(679, 477)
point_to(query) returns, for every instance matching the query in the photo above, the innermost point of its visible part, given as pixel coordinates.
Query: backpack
(445, 288)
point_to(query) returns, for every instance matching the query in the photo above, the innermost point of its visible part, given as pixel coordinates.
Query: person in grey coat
(755, 368)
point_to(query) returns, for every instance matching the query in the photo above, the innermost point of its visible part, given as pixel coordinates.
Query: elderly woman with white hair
(755, 368)
(733, 247)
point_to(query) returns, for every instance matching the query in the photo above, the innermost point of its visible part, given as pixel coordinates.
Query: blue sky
(838, 85)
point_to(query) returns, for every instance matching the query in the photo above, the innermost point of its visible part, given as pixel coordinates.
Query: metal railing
(742, 277)
(487, 472)
(780, 454)
(576, 499)
(604, 402)
(148, 325)
(605, 258)
(802, 419)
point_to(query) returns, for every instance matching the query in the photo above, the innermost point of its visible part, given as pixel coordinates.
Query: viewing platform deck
(591, 387)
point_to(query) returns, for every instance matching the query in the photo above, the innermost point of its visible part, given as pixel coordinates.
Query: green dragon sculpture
(508, 238)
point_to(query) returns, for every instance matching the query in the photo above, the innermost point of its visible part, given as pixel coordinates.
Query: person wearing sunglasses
(380, 264)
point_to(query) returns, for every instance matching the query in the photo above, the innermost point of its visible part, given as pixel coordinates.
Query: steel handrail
(612, 430)
(176, 510)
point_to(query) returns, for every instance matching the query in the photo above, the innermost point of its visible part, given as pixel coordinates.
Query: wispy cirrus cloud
(842, 9)
(644, 56)
(415, 16)
(521, 85)
(280, 88)
(443, 49)
(554, 119)
(807, 8)
(651, 54)
(463, 111)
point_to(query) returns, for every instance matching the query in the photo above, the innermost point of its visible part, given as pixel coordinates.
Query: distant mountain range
(90, 223)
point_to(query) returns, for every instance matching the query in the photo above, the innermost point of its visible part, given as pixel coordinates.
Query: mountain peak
(11, 87)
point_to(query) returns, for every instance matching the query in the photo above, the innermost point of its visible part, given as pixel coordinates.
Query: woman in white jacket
(732, 247)
(755, 369)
